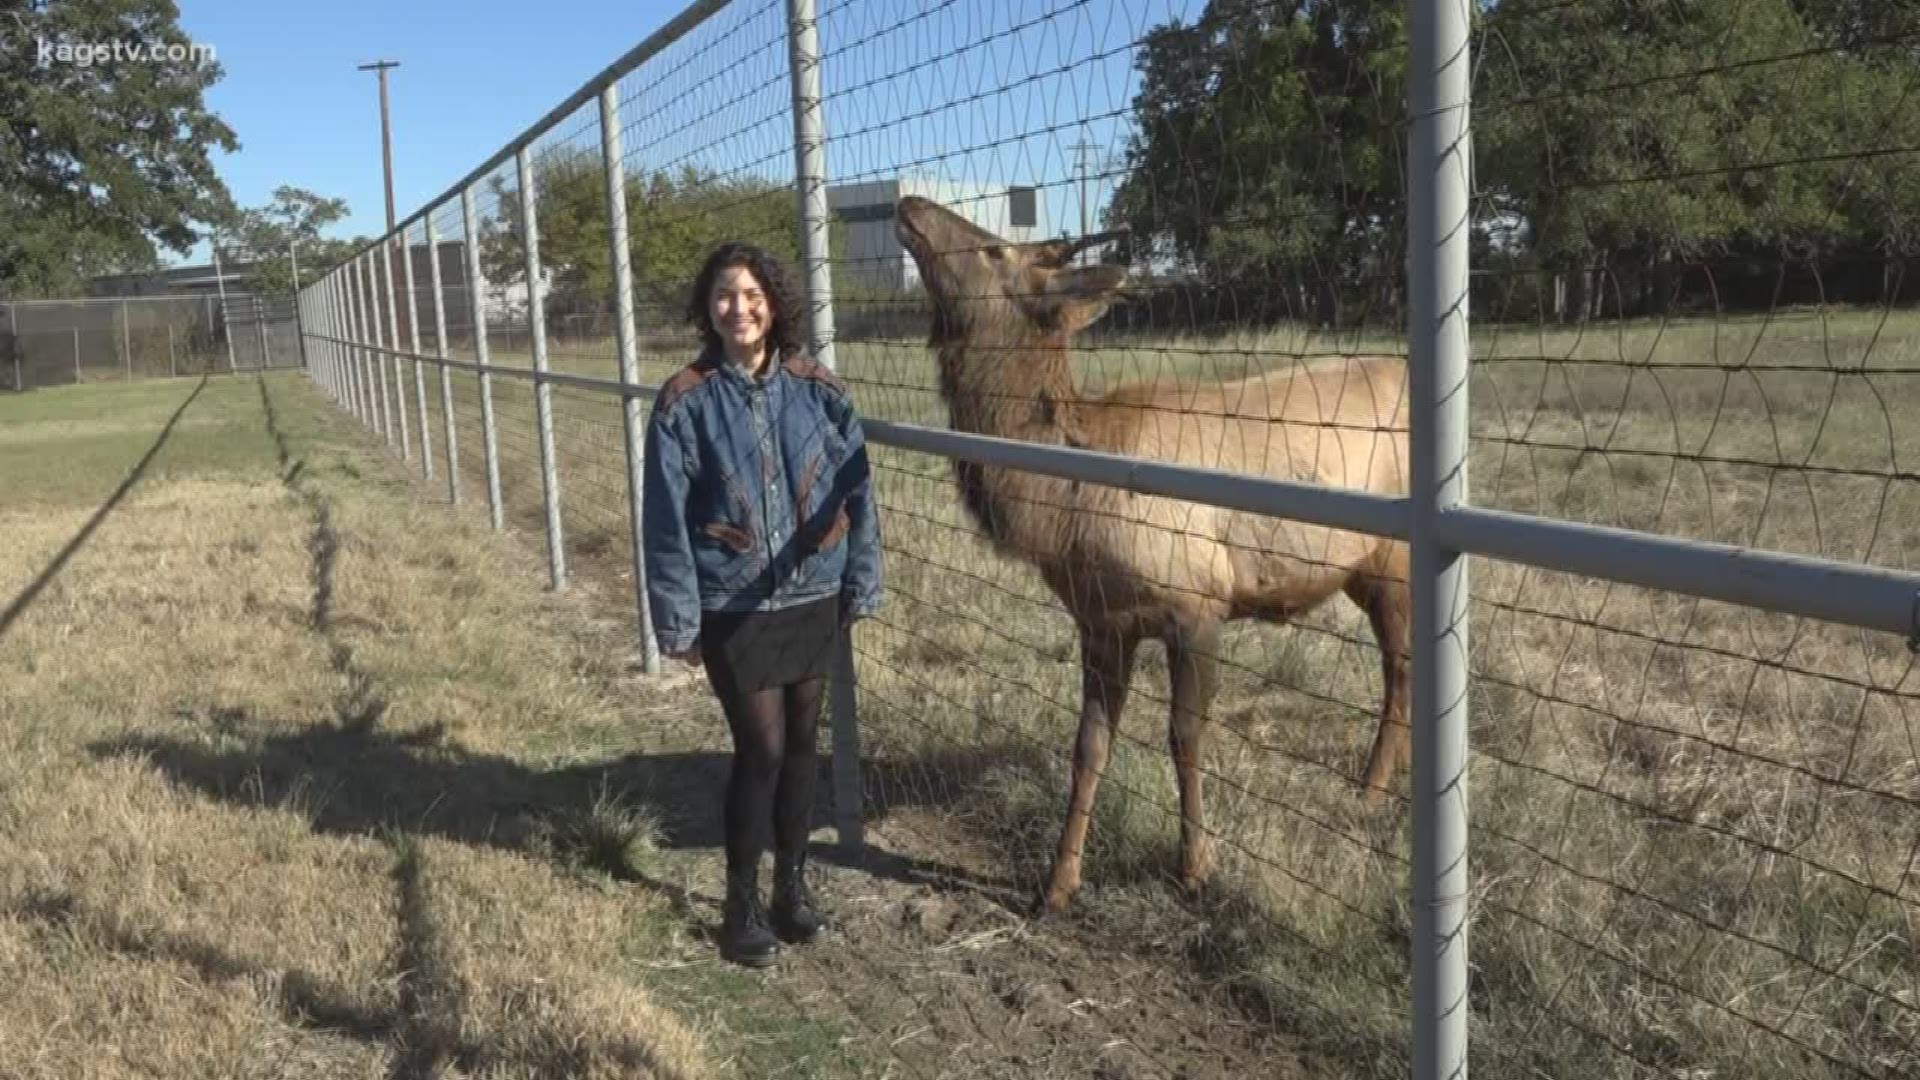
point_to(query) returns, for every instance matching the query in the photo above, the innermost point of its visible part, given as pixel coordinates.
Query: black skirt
(758, 650)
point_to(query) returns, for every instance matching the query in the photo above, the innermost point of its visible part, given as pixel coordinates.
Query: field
(1695, 826)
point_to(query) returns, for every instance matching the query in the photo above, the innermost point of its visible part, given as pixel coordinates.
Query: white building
(864, 214)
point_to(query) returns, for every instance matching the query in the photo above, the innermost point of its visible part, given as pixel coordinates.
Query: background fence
(60, 342)
(1695, 822)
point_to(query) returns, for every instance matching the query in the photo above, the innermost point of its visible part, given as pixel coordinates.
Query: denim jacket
(757, 496)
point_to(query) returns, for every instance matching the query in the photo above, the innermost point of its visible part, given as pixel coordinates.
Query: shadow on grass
(423, 1032)
(19, 604)
(353, 778)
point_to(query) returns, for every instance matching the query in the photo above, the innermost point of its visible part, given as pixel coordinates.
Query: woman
(762, 547)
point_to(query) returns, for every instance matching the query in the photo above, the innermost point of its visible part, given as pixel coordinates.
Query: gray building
(872, 256)
(174, 281)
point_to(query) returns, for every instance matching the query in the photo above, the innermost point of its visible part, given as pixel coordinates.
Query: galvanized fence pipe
(77, 379)
(342, 356)
(368, 382)
(810, 177)
(542, 390)
(380, 346)
(632, 425)
(476, 300)
(419, 370)
(323, 312)
(349, 320)
(126, 339)
(260, 328)
(300, 328)
(446, 373)
(399, 430)
(1439, 165)
(356, 356)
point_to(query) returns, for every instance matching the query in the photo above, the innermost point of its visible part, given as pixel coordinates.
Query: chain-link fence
(63, 342)
(1158, 317)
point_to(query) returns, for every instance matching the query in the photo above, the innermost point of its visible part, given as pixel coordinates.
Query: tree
(103, 162)
(673, 220)
(1627, 153)
(1266, 152)
(295, 216)
(1637, 139)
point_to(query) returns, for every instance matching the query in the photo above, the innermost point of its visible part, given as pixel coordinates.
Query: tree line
(1632, 157)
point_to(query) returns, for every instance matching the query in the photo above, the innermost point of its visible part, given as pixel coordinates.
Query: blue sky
(474, 73)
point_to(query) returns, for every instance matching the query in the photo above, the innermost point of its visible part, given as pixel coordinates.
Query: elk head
(984, 286)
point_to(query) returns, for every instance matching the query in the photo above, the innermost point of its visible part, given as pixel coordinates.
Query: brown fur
(1126, 566)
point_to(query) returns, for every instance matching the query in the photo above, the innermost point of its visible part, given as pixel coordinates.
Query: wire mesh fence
(1176, 232)
(64, 342)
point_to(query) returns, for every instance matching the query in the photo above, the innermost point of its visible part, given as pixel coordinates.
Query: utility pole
(386, 131)
(386, 146)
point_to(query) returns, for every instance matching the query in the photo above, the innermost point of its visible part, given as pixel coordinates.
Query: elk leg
(1194, 670)
(1106, 670)
(1389, 608)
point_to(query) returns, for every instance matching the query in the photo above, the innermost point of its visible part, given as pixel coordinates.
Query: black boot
(744, 938)
(793, 916)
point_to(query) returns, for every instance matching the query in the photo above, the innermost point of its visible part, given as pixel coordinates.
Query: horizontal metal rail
(1851, 594)
(1870, 597)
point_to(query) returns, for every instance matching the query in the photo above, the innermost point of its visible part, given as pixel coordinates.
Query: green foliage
(673, 221)
(1619, 139)
(101, 163)
(1268, 144)
(287, 230)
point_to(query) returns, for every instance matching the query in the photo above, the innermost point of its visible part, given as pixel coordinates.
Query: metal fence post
(393, 347)
(623, 333)
(337, 321)
(413, 346)
(446, 373)
(126, 339)
(76, 357)
(542, 389)
(376, 348)
(357, 333)
(173, 365)
(476, 292)
(260, 329)
(324, 311)
(810, 174)
(301, 316)
(1439, 163)
(226, 317)
(348, 383)
(13, 346)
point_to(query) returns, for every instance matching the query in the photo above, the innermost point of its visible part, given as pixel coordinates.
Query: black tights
(774, 732)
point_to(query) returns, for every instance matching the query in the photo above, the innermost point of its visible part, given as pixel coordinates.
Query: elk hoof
(1051, 901)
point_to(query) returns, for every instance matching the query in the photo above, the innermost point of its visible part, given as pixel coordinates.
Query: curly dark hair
(782, 295)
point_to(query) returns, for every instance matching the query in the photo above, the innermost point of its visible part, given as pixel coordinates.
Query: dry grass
(228, 720)
(1696, 825)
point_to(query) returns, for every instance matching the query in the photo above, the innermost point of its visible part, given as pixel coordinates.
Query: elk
(1128, 567)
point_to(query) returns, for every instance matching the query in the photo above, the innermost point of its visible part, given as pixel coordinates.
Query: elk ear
(1077, 298)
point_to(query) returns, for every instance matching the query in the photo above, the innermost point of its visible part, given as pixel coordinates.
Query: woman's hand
(689, 656)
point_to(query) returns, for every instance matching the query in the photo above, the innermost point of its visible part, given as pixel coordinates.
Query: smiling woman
(762, 547)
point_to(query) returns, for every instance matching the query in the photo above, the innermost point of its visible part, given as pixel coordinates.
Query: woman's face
(740, 310)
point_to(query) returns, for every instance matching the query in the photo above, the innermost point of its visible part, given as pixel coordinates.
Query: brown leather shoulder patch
(802, 366)
(689, 379)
